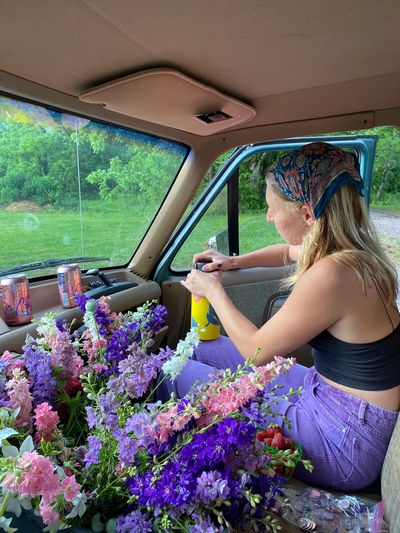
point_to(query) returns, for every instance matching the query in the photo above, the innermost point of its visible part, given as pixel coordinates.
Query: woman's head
(314, 198)
(291, 219)
(311, 175)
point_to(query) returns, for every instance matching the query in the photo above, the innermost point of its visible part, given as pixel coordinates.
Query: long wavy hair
(344, 233)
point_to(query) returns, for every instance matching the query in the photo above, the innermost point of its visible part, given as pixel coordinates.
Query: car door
(229, 214)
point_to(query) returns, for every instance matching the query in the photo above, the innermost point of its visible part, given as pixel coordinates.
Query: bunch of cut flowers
(85, 444)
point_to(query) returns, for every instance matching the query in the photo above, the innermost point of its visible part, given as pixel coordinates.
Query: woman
(342, 304)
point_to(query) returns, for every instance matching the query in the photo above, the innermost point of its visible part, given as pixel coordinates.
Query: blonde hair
(345, 233)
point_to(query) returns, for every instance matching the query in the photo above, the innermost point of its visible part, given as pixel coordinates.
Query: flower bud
(91, 306)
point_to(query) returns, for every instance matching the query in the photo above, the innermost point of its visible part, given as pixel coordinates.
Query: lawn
(109, 230)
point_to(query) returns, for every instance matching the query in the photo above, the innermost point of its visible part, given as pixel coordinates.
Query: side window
(254, 231)
(211, 224)
(236, 220)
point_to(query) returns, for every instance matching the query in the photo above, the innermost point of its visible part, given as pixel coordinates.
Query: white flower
(47, 327)
(5, 524)
(183, 353)
(16, 503)
(79, 504)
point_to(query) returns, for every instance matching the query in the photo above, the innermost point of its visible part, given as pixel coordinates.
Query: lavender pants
(344, 437)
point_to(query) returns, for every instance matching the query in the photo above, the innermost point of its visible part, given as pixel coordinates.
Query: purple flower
(203, 524)
(91, 416)
(212, 486)
(157, 318)
(81, 300)
(38, 363)
(94, 448)
(127, 449)
(108, 403)
(117, 348)
(60, 324)
(136, 521)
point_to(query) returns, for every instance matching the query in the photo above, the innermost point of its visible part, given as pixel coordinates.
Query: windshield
(71, 187)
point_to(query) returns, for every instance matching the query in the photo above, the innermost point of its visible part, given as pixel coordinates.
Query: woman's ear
(308, 214)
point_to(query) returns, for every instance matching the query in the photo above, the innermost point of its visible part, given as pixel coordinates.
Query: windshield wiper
(49, 263)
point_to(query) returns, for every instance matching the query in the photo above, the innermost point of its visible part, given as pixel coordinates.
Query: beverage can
(16, 299)
(204, 316)
(69, 279)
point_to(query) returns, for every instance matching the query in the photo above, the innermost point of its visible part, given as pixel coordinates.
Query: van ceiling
(255, 50)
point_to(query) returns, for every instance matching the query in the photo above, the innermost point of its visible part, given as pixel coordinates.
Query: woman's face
(291, 224)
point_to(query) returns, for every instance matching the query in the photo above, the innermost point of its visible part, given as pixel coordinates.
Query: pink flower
(47, 513)
(20, 396)
(34, 476)
(70, 487)
(14, 361)
(46, 420)
(99, 367)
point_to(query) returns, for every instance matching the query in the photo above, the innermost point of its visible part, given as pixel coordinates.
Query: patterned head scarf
(312, 174)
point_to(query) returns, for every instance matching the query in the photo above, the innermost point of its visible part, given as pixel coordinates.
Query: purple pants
(344, 437)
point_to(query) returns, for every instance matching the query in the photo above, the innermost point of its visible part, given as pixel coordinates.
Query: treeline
(52, 158)
(47, 159)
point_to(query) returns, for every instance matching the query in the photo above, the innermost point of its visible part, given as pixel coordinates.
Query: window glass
(254, 231)
(212, 223)
(72, 187)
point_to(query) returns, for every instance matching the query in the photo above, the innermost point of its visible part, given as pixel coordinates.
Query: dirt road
(387, 224)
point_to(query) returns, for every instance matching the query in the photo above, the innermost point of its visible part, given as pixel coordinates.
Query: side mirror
(219, 242)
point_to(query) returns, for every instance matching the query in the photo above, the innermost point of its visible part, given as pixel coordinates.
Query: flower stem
(4, 503)
(155, 388)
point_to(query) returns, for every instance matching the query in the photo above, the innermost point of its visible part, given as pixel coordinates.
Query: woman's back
(363, 346)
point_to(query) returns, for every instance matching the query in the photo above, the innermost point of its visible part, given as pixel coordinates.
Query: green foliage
(146, 172)
(386, 172)
(54, 159)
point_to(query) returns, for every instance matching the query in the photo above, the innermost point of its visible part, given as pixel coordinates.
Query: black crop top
(371, 366)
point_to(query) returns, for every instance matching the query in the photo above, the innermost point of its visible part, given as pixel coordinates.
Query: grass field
(113, 230)
(109, 230)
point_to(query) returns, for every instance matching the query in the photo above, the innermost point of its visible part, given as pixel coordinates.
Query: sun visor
(168, 97)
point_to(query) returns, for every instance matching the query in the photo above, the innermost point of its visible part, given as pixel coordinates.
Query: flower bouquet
(85, 443)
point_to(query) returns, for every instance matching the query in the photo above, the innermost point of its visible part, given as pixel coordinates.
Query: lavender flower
(212, 486)
(91, 417)
(38, 364)
(94, 448)
(203, 524)
(136, 521)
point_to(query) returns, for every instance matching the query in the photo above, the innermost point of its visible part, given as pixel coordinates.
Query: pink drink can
(16, 299)
(69, 284)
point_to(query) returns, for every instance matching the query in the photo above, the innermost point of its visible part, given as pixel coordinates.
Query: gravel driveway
(387, 224)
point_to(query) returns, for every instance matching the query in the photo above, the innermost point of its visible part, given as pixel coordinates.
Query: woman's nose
(270, 217)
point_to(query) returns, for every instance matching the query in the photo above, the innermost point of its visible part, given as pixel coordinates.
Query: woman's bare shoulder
(330, 272)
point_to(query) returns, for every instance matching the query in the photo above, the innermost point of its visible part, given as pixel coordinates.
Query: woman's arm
(274, 255)
(313, 305)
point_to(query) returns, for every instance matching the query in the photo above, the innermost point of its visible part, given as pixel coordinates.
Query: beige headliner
(292, 60)
(306, 66)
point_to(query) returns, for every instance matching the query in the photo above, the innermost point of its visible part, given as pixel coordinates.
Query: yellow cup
(204, 317)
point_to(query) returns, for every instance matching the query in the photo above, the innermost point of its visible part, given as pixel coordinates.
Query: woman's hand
(216, 261)
(202, 284)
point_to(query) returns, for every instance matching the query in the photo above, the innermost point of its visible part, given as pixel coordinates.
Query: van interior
(208, 86)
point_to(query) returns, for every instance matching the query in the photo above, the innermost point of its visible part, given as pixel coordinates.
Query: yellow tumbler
(204, 316)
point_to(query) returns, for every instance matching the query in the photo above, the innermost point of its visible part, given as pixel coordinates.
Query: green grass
(254, 233)
(111, 229)
(114, 233)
